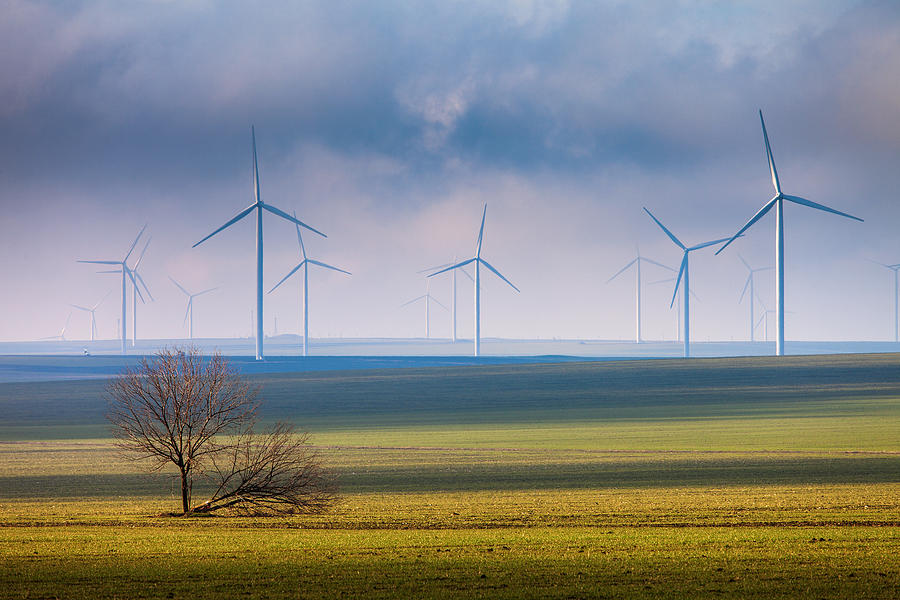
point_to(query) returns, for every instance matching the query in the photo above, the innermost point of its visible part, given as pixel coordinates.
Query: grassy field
(703, 478)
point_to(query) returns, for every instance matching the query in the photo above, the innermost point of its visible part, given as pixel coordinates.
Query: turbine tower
(126, 273)
(92, 310)
(428, 298)
(684, 271)
(778, 202)
(637, 287)
(478, 262)
(304, 263)
(750, 284)
(452, 292)
(189, 313)
(893, 268)
(258, 206)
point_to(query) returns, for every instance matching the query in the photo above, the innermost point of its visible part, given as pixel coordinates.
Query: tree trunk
(185, 492)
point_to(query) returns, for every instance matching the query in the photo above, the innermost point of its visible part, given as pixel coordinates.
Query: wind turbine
(750, 284)
(126, 272)
(189, 313)
(478, 262)
(135, 293)
(305, 265)
(452, 293)
(637, 287)
(893, 268)
(677, 306)
(778, 202)
(92, 310)
(685, 272)
(764, 317)
(428, 298)
(258, 206)
(61, 336)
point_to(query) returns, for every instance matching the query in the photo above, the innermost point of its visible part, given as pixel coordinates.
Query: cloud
(388, 125)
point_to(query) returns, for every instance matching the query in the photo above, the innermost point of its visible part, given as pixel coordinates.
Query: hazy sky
(388, 124)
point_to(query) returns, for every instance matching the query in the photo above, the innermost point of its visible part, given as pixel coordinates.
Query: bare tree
(198, 415)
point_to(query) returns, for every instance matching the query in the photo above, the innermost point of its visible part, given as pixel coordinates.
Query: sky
(389, 125)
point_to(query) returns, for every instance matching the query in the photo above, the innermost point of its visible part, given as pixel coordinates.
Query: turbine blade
(411, 301)
(760, 320)
(759, 215)
(669, 280)
(746, 286)
(436, 301)
(466, 273)
(761, 302)
(771, 159)
(811, 204)
(746, 264)
(284, 215)
(497, 273)
(678, 280)
(668, 233)
(143, 283)
(300, 238)
(137, 289)
(134, 243)
(116, 272)
(881, 264)
(102, 262)
(187, 310)
(285, 278)
(481, 232)
(622, 270)
(433, 268)
(80, 307)
(456, 266)
(710, 243)
(204, 292)
(179, 286)
(141, 257)
(255, 174)
(231, 222)
(102, 299)
(321, 264)
(653, 262)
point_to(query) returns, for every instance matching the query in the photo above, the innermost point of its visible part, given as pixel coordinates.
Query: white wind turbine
(61, 336)
(452, 292)
(750, 284)
(135, 293)
(677, 306)
(428, 299)
(478, 262)
(893, 268)
(637, 287)
(684, 272)
(778, 202)
(764, 317)
(258, 206)
(126, 273)
(189, 312)
(92, 310)
(304, 263)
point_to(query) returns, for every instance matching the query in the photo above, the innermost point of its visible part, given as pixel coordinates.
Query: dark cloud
(389, 123)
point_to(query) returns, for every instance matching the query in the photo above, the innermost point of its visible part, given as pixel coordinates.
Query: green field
(756, 477)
